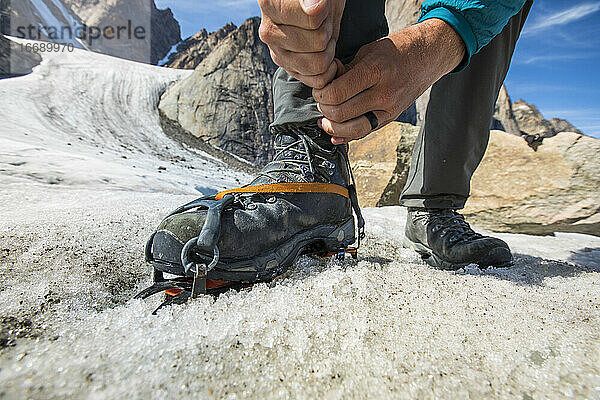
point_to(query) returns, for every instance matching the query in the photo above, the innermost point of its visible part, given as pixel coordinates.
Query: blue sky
(556, 65)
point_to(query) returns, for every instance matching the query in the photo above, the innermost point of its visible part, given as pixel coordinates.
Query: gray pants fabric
(455, 132)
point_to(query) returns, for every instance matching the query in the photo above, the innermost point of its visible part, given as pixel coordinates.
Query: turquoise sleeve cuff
(460, 25)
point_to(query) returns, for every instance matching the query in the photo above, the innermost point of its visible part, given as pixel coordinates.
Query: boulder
(401, 14)
(196, 48)
(555, 188)
(515, 189)
(227, 100)
(380, 163)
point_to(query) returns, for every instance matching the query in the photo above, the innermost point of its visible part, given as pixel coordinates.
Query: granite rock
(196, 48)
(227, 101)
(515, 189)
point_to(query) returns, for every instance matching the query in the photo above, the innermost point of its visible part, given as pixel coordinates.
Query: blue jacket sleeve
(476, 21)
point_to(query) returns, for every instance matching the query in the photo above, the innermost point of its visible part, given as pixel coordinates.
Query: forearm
(433, 44)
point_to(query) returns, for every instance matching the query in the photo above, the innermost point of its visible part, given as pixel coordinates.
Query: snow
(385, 326)
(50, 20)
(66, 14)
(90, 120)
(173, 50)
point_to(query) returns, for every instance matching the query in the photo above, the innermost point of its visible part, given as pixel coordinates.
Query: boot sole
(268, 265)
(436, 261)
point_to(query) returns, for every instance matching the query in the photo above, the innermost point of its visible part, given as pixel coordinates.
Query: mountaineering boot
(300, 203)
(445, 240)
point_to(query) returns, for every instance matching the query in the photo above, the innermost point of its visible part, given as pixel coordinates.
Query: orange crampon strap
(289, 188)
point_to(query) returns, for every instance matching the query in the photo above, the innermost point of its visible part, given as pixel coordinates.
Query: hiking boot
(301, 202)
(445, 240)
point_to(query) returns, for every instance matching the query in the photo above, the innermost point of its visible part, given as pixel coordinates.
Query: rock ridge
(193, 50)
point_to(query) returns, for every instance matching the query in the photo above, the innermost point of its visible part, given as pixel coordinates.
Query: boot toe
(166, 247)
(184, 226)
(499, 257)
(172, 234)
(485, 252)
(493, 252)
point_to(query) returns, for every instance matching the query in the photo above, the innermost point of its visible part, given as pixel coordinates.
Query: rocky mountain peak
(530, 120)
(523, 119)
(194, 49)
(562, 125)
(165, 30)
(165, 33)
(63, 21)
(504, 119)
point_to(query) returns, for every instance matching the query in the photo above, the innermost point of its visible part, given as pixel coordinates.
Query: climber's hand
(302, 36)
(386, 77)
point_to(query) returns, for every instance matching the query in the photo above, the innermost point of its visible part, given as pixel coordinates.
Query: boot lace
(449, 223)
(298, 158)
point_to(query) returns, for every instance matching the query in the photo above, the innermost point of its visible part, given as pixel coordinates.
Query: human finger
(354, 129)
(306, 14)
(354, 107)
(305, 63)
(356, 80)
(317, 81)
(295, 39)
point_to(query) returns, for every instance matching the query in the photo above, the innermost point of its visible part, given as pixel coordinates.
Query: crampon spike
(179, 290)
(340, 254)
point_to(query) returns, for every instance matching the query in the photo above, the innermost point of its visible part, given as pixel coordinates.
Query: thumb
(313, 7)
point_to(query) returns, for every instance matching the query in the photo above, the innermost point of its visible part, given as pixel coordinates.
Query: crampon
(181, 289)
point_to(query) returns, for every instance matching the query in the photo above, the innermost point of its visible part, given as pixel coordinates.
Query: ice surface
(88, 120)
(386, 326)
